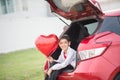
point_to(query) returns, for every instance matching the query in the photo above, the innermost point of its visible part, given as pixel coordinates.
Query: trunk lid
(75, 9)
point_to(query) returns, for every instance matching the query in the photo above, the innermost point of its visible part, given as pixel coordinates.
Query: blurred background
(22, 21)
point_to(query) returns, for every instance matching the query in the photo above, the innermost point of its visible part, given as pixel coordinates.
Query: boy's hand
(49, 72)
(50, 59)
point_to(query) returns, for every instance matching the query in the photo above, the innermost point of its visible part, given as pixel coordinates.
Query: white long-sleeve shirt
(62, 62)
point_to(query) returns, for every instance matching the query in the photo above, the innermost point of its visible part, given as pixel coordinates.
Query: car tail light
(86, 54)
(93, 52)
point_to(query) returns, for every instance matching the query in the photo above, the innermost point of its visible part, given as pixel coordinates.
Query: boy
(66, 60)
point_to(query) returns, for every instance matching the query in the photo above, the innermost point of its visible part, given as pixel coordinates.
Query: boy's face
(64, 44)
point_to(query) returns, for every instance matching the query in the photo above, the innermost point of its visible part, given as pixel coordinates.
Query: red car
(95, 35)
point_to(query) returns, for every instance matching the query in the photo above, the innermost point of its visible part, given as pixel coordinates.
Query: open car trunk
(80, 12)
(77, 31)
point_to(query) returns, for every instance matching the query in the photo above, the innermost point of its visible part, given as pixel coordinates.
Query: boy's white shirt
(62, 62)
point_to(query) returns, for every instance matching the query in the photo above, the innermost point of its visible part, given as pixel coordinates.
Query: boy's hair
(65, 36)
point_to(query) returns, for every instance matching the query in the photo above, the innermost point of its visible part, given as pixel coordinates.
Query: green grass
(22, 65)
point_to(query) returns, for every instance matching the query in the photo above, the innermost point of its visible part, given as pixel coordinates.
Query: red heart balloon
(47, 44)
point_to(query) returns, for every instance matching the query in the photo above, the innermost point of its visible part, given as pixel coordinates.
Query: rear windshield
(91, 25)
(65, 5)
(111, 24)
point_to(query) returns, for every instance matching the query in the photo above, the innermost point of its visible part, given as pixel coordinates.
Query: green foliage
(22, 65)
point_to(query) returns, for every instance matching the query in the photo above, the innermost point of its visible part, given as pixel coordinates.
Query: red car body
(98, 55)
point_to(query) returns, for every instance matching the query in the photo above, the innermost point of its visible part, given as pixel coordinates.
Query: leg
(51, 64)
(46, 77)
(55, 74)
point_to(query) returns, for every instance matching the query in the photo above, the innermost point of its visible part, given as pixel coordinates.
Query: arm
(67, 61)
(50, 59)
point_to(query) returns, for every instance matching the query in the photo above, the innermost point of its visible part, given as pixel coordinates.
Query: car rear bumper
(93, 69)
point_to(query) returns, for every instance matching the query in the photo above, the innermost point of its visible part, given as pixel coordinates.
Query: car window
(92, 27)
(111, 24)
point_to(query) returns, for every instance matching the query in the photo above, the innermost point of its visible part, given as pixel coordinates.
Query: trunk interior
(76, 32)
